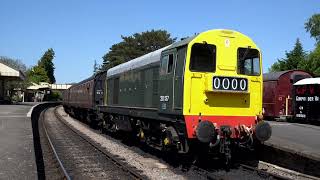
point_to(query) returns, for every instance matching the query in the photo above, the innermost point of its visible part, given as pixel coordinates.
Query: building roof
(44, 85)
(10, 73)
(308, 81)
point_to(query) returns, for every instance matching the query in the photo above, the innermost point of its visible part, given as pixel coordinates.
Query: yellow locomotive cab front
(222, 82)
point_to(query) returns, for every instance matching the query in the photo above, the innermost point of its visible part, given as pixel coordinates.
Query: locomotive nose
(206, 132)
(263, 131)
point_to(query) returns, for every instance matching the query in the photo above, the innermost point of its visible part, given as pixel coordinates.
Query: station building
(37, 92)
(8, 74)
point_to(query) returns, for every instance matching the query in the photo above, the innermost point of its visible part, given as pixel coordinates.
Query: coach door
(99, 88)
(178, 78)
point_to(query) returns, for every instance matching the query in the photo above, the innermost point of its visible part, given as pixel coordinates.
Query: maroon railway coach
(278, 92)
(79, 96)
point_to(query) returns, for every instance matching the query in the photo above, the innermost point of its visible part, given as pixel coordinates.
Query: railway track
(78, 156)
(245, 171)
(86, 166)
(239, 173)
(251, 169)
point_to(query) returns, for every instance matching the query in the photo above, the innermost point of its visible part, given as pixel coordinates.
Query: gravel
(149, 166)
(290, 174)
(80, 159)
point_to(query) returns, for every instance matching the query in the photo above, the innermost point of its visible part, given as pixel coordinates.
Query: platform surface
(17, 159)
(297, 138)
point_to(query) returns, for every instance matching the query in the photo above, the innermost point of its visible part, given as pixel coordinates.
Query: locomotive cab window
(170, 63)
(203, 57)
(248, 62)
(166, 64)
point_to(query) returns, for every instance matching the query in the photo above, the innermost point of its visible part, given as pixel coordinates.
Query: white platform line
(31, 109)
(13, 116)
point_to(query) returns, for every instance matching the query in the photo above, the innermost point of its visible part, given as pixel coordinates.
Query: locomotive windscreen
(307, 101)
(203, 58)
(248, 61)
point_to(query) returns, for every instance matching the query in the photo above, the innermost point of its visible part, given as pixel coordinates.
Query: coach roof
(273, 76)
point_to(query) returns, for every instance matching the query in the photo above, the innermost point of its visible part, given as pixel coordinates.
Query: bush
(53, 96)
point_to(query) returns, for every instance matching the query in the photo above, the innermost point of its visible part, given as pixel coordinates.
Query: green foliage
(54, 96)
(134, 46)
(313, 62)
(44, 70)
(295, 59)
(96, 67)
(37, 74)
(313, 26)
(46, 63)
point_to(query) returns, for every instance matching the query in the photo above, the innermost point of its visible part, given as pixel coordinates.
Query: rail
(120, 164)
(66, 175)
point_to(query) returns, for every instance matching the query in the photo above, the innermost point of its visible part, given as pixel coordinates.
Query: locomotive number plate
(220, 83)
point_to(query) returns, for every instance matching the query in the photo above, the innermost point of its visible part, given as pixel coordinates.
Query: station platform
(301, 139)
(17, 157)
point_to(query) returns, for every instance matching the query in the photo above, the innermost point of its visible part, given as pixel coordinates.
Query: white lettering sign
(309, 99)
(164, 98)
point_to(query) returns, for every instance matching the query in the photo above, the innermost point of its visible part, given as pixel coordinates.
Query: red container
(278, 92)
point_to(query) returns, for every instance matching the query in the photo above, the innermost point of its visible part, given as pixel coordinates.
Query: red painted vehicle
(80, 97)
(278, 92)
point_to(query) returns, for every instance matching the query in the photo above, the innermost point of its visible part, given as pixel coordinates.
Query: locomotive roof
(146, 59)
(308, 81)
(274, 76)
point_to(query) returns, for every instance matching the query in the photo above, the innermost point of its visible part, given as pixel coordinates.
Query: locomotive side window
(170, 63)
(164, 63)
(248, 62)
(203, 58)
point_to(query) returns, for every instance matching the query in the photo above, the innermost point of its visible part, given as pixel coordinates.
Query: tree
(134, 46)
(295, 59)
(96, 68)
(313, 27)
(46, 63)
(37, 74)
(313, 62)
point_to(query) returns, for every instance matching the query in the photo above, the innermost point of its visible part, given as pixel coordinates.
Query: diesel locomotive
(203, 91)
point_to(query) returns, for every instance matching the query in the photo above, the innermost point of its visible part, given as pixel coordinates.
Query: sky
(82, 31)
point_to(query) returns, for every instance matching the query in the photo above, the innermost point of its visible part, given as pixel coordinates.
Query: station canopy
(10, 74)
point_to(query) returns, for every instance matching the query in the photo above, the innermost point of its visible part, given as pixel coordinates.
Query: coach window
(248, 62)
(203, 57)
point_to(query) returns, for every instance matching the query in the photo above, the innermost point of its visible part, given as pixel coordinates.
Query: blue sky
(82, 31)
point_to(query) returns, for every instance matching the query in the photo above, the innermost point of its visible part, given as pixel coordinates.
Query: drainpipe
(287, 104)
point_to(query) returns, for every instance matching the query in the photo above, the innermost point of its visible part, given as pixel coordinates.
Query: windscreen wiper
(245, 53)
